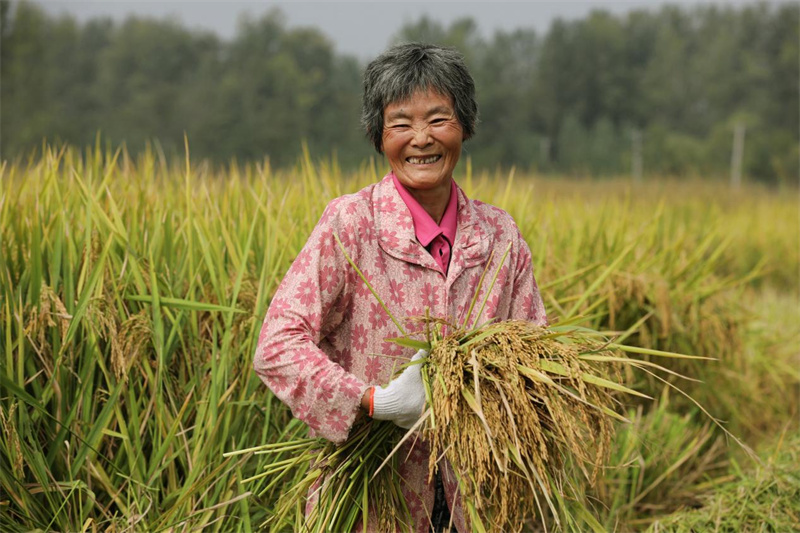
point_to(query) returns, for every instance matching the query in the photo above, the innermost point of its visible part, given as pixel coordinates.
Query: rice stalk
(338, 481)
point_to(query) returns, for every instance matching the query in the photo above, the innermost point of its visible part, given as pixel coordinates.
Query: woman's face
(422, 140)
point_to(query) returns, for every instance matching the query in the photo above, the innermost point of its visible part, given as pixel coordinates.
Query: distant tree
(287, 91)
(565, 101)
(504, 78)
(26, 113)
(605, 150)
(141, 76)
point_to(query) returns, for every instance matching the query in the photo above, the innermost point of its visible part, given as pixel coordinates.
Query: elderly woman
(421, 243)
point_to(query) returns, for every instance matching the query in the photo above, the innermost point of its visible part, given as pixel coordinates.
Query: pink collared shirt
(436, 238)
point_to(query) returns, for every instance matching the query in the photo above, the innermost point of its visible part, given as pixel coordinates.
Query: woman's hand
(403, 399)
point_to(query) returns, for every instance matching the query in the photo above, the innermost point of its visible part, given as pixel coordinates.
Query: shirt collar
(425, 228)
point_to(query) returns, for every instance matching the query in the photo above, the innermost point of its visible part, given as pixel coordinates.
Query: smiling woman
(423, 245)
(422, 140)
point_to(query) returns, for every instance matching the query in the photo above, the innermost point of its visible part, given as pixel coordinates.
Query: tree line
(649, 92)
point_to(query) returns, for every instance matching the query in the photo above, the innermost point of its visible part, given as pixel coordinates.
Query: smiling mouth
(427, 160)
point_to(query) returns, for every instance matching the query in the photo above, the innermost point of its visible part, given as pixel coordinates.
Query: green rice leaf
(659, 353)
(411, 343)
(179, 303)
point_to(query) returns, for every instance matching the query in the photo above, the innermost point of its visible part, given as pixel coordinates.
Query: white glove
(403, 399)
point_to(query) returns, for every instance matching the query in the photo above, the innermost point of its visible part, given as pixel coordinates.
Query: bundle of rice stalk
(520, 410)
(336, 480)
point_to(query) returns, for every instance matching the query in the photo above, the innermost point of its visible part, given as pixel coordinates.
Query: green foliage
(565, 101)
(763, 499)
(659, 462)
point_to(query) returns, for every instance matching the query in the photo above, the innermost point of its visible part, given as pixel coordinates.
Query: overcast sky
(362, 29)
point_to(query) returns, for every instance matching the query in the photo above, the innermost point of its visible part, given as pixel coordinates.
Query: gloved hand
(403, 399)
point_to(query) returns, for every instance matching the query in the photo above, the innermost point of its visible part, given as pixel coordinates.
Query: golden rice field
(132, 292)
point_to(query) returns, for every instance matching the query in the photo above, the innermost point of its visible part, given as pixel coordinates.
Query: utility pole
(736, 156)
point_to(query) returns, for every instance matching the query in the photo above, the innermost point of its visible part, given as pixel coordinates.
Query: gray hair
(396, 74)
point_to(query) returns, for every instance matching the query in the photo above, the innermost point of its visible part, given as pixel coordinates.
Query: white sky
(362, 28)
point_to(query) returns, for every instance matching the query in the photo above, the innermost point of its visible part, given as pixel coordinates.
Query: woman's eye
(438, 120)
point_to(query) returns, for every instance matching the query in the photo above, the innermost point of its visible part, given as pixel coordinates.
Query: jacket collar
(395, 230)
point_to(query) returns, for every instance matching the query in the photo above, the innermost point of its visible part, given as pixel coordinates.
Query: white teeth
(423, 160)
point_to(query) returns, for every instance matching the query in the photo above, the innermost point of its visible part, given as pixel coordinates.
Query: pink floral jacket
(323, 343)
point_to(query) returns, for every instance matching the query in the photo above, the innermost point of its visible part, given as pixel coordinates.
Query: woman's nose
(422, 136)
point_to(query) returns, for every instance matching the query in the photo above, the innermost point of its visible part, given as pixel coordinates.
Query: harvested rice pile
(513, 404)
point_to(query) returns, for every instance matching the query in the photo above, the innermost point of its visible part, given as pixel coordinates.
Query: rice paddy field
(132, 292)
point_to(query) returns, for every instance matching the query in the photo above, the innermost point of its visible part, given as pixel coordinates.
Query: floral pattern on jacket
(322, 343)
